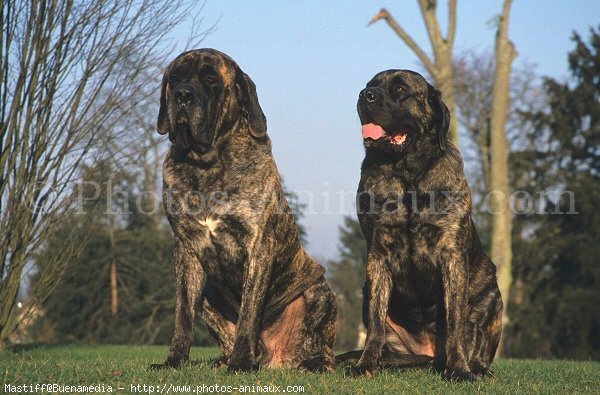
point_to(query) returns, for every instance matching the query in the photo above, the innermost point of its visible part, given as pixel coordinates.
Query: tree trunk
(501, 249)
(9, 294)
(114, 291)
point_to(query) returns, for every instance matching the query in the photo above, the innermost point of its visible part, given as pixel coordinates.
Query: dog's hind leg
(485, 325)
(302, 335)
(319, 328)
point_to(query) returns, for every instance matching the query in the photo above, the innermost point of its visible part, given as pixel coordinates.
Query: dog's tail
(388, 359)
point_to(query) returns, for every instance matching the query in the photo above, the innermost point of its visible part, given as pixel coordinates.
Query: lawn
(124, 369)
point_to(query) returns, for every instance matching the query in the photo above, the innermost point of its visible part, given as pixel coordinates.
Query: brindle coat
(264, 300)
(431, 290)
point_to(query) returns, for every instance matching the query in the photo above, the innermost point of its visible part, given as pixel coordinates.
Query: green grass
(122, 366)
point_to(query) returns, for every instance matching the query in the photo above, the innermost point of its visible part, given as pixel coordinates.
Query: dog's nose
(369, 94)
(184, 95)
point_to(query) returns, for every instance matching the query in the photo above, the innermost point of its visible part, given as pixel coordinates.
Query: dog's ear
(442, 114)
(248, 99)
(162, 125)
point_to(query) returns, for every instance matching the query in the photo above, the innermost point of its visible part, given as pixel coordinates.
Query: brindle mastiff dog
(237, 258)
(431, 291)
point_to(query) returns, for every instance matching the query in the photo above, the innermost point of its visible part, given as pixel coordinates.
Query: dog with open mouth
(431, 295)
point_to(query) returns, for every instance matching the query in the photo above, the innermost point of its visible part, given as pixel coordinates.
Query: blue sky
(309, 60)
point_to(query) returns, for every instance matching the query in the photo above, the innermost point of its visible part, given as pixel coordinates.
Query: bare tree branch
(385, 15)
(451, 29)
(427, 8)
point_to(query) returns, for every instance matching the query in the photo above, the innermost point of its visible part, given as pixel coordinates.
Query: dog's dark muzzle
(185, 96)
(203, 141)
(187, 139)
(369, 100)
(190, 131)
(369, 95)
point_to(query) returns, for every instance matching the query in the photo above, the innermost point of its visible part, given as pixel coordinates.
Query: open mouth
(376, 132)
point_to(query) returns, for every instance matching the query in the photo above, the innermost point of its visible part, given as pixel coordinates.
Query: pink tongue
(372, 131)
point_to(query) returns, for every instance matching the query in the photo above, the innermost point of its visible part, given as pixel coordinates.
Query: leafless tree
(71, 72)
(140, 150)
(473, 87)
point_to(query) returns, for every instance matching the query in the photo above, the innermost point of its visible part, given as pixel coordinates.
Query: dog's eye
(398, 89)
(212, 81)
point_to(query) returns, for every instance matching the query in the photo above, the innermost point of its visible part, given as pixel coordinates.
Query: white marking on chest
(210, 223)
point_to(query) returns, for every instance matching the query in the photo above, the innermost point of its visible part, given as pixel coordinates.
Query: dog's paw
(480, 369)
(172, 362)
(459, 375)
(318, 365)
(362, 369)
(241, 364)
(242, 358)
(220, 362)
(169, 364)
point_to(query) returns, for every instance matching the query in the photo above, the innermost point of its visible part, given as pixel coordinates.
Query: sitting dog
(431, 292)
(237, 258)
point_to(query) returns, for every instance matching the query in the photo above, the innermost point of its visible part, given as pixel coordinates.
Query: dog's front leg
(256, 282)
(378, 287)
(455, 283)
(188, 273)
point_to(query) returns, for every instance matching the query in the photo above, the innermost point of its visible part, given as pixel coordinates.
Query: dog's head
(204, 94)
(398, 110)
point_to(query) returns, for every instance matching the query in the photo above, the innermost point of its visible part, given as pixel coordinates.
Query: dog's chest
(411, 244)
(210, 217)
(408, 224)
(416, 219)
(397, 205)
